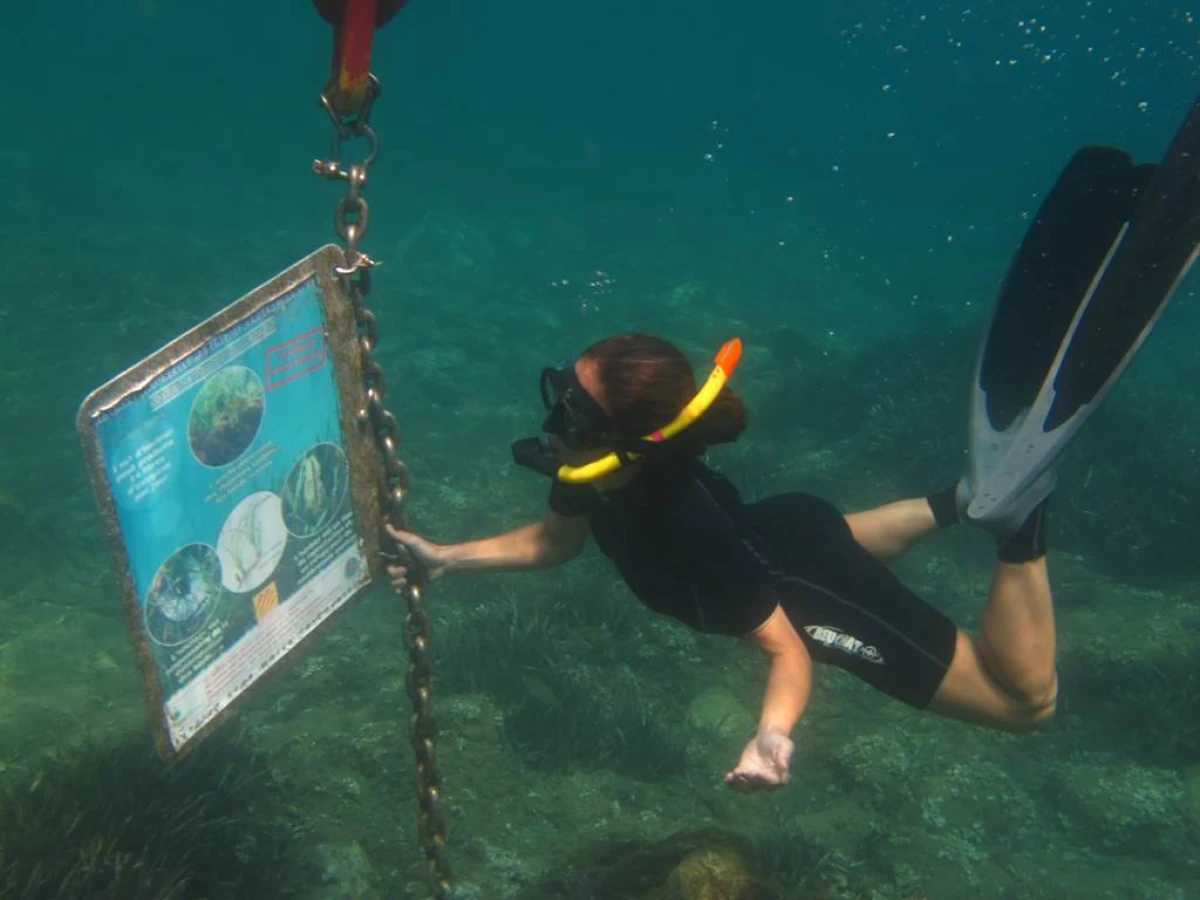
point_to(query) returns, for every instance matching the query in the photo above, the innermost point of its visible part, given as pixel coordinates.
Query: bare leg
(1006, 677)
(888, 531)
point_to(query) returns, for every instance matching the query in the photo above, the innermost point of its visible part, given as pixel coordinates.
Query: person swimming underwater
(626, 433)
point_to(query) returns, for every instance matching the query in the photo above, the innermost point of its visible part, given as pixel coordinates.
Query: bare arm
(789, 682)
(764, 763)
(539, 545)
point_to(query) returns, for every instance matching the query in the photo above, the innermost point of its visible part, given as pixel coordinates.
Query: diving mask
(574, 415)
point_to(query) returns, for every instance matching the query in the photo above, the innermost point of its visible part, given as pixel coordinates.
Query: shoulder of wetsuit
(695, 501)
(719, 485)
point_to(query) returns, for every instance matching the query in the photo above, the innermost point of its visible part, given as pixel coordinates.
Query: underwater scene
(840, 186)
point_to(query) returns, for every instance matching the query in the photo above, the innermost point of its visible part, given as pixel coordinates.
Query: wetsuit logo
(847, 643)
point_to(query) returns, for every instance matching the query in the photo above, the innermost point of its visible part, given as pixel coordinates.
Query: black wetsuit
(689, 548)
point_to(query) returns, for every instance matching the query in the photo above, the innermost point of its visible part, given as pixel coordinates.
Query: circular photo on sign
(315, 490)
(183, 594)
(252, 542)
(225, 416)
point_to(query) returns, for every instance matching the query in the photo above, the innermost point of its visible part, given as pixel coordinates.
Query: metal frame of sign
(341, 338)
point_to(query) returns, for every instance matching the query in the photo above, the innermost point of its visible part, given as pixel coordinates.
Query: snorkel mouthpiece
(537, 453)
(540, 454)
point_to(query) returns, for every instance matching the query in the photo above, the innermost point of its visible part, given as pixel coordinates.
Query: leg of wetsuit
(853, 612)
(848, 607)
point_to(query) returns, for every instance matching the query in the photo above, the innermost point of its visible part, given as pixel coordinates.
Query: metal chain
(351, 222)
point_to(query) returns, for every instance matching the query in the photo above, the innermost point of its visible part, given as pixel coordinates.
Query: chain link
(351, 221)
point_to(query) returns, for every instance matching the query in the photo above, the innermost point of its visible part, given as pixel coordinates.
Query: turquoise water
(841, 186)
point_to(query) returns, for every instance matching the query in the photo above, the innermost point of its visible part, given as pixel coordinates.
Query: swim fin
(1107, 249)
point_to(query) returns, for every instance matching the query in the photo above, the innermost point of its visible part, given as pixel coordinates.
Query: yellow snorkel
(726, 361)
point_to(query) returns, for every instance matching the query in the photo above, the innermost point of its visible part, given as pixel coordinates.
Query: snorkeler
(626, 432)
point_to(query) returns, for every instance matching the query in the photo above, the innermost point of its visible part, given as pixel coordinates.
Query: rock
(878, 761)
(716, 712)
(711, 873)
(346, 873)
(1128, 807)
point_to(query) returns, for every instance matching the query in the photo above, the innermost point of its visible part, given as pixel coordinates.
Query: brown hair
(647, 380)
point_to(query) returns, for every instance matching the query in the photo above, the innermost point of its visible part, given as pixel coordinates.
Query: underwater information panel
(223, 469)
